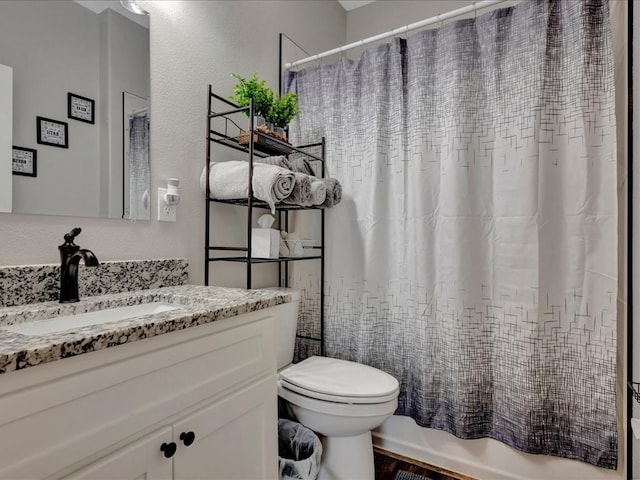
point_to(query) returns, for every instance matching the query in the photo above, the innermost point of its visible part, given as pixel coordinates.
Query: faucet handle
(68, 238)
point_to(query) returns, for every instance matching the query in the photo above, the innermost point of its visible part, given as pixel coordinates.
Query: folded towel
(228, 181)
(334, 192)
(301, 165)
(278, 160)
(294, 163)
(318, 192)
(284, 248)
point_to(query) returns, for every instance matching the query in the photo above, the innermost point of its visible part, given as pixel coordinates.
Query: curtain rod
(397, 31)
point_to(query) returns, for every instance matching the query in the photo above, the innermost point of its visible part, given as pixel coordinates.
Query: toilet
(339, 400)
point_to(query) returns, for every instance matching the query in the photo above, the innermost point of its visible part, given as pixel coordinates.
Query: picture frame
(24, 161)
(53, 132)
(81, 108)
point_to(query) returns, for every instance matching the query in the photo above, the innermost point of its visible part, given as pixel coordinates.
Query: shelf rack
(223, 130)
(635, 390)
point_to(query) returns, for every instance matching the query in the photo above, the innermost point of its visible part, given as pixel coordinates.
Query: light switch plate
(166, 213)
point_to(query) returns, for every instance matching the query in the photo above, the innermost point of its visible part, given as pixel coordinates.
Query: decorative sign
(80, 108)
(53, 132)
(25, 161)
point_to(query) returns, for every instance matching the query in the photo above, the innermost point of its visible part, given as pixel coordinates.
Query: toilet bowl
(340, 400)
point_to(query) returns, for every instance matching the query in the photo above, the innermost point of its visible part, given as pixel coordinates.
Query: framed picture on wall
(53, 132)
(25, 161)
(81, 108)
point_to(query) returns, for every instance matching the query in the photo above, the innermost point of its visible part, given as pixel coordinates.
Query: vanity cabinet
(138, 460)
(120, 412)
(234, 440)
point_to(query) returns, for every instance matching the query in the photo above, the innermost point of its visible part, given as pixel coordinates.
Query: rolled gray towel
(228, 180)
(301, 165)
(301, 192)
(318, 192)
(334, 192)
(278, 160)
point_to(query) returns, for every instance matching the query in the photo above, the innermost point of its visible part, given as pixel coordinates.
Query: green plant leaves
(283, 109)
(246, 89)
(279, 111)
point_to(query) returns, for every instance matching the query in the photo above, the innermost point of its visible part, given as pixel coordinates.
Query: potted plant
(282, 111)
(262, 95)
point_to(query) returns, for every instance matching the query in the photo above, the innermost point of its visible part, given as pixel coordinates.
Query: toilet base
(347, 458)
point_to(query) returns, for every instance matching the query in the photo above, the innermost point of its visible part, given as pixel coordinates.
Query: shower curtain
(474, 254)
(139, 169)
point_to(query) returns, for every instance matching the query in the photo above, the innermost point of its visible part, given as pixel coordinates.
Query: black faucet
(70, 255)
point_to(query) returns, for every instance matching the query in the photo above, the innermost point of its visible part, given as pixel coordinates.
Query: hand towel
(228, 181)
(284, 248)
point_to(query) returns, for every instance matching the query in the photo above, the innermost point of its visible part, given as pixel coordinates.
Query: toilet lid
(340, 378)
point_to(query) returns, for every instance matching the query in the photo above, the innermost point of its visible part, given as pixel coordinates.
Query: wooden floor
(388, 463)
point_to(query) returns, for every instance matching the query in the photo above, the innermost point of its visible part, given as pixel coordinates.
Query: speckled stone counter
(198, 305)
(40, 283)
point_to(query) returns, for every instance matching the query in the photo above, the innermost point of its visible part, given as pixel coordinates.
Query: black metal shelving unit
(229, 133)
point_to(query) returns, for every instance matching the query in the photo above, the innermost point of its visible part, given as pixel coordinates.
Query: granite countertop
(198, 305)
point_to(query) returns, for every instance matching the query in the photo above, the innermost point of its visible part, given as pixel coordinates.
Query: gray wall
(124, 66)
(56, 47)
(384, 15)
(53, 50)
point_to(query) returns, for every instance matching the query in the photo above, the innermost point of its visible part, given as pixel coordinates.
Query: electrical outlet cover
(166, 213)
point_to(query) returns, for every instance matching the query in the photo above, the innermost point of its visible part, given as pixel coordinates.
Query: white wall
(6, 136)
(635, 200)
(485, 458)
(193, 43)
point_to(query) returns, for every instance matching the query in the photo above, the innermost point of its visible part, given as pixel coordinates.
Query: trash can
(299, 451)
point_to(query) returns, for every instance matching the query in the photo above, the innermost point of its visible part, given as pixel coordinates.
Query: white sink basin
(69, 322)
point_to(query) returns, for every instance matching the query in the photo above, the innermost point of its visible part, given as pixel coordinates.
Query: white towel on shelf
(228, 181)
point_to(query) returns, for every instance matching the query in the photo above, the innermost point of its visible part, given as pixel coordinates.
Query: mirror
(80, 86)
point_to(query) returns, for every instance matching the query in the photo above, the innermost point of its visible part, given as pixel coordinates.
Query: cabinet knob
(169, 449)
(187, 438)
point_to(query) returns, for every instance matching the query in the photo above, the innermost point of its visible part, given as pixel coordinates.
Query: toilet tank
(286, 327)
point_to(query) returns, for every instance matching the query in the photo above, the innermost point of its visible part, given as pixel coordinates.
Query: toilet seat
(339, 381)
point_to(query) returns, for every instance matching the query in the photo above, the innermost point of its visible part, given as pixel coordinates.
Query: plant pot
(280, 131)
(258, 120)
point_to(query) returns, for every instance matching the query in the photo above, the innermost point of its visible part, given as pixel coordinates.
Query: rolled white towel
(228, 181)
(318, 193)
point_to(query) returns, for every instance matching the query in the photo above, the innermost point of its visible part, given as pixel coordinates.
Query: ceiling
(351, 4)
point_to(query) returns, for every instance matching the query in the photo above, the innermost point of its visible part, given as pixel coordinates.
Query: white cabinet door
(235, 438)
(139, 460)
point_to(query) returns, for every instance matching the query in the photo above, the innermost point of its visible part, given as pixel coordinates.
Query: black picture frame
(53, 132)
(24, 161)
(81, 108)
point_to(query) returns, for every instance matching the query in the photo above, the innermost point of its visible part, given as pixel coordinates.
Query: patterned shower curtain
(474, 254)
(139, 168)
